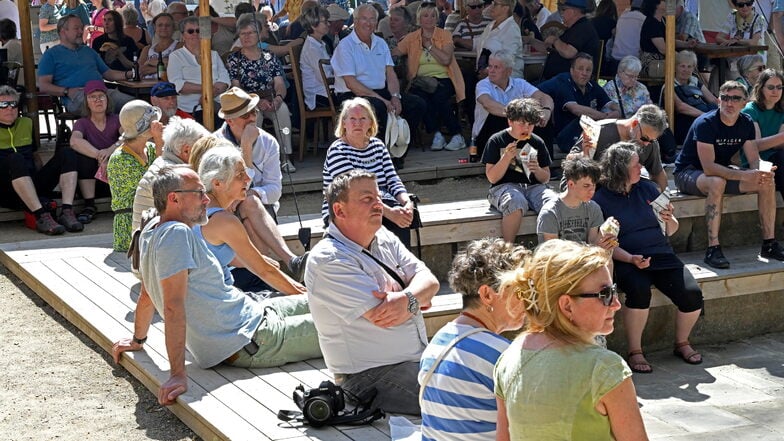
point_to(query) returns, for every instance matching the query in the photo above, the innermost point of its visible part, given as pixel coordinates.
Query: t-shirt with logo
(726, 140)
(515, 173)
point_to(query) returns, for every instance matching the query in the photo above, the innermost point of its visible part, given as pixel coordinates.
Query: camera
(320, 405)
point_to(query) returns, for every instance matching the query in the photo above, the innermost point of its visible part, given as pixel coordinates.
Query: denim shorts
(509, 197)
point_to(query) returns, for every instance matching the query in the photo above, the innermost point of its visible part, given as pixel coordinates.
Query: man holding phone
(517, 164)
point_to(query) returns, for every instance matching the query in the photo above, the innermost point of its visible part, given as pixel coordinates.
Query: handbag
(692, 95)
(425, 84)
(101, 173)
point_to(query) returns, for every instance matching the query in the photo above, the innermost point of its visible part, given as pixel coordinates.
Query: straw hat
(235, 102)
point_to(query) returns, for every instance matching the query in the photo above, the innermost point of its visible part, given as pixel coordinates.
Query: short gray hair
(130, 15)
(9, 91)
(218, 165)
(251, 19)
(630, 63)
(180, 132)
(363, 7)
(187, 21)
(504, 57)
(745, 62)
(686, 56)
(167, 180)
(652, 116)
(337, 191)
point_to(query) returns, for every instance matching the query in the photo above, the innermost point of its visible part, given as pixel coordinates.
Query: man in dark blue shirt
(702, 168)
(574, 95)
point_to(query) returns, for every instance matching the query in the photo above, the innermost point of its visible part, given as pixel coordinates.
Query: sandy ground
(55, 383)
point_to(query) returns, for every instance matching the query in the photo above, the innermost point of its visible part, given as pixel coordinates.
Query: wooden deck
(93, 288)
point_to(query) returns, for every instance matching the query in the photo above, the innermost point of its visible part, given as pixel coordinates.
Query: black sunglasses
(11, 104)
(192, 31)
(743, 5)
(644, 138)
(607, 295)
(475, 6)
(735, 98)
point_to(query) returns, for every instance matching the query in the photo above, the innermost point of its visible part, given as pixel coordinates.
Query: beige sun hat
(397, 136)
(136, 117)
(235, 102)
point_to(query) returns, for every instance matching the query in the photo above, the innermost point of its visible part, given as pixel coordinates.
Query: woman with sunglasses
(744, 25)
(554, 382)
(503, 33)
(750, 67)
(644, 256)
(766, 109)
(184, 70)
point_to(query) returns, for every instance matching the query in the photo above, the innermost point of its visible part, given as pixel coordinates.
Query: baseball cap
(93, 85)
(163, 89)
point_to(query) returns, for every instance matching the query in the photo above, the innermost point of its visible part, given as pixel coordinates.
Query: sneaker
(715, 258)
(68, 220)
(46, 224)
(772, 251)
(438, 142)
(288, 167)
(456, 143)
(297, 266)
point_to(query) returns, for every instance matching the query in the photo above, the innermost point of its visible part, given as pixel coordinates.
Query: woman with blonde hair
(554, 382)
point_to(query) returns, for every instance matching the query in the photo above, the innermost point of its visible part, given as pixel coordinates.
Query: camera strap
(383, 265)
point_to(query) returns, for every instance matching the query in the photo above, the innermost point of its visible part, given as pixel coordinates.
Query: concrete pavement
(737, 393)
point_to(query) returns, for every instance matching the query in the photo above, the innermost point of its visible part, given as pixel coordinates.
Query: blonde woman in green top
(554, 382)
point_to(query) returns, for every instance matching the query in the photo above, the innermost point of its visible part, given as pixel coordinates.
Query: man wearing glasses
(579, 36)
(703, 168)
(643, 128)
(20, 183)
(471, 27)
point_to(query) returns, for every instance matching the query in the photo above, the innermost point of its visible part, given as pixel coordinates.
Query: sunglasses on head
(733, 98)
(607, 295)
(11, 104)
(743, 5)
(192, 31)
(772, 87)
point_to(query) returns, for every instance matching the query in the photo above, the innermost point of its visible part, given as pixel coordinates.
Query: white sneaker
(288, 167)
(438, 142)
(456, 143)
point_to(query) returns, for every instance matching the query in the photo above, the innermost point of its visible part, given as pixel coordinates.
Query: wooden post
(205, 36)
(669, 64)
(28, 62)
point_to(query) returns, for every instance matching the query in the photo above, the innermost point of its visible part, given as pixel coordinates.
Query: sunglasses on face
(607, 295)
(6, 104)
(733, 98)
(192, 31)
(769, 87)
(744, 5)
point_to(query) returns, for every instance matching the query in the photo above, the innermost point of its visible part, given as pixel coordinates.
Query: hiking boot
(715, 258)
(297, 266)
(438, 142)
(456, 143)
(772, 251)
(46, 224)
(288, 167)
(68, 220)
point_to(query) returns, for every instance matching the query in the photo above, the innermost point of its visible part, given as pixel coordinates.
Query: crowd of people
(215, 266)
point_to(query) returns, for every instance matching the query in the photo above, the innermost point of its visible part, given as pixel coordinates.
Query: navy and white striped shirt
(341, 157)
(459, 400)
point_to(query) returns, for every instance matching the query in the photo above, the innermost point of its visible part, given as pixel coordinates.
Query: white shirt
(183, 68)
(367, 64)
(267, 177)
(517, 88)
(541, 17)
(505, 37)
(627, 34)
(312, 51)
(10, 10)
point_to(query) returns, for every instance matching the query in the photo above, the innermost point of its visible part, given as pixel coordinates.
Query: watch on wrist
(413, 302)
(396, 95)
(139, 341)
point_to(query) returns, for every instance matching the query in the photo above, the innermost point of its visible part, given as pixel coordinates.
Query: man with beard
(164, 96)
(224, 325)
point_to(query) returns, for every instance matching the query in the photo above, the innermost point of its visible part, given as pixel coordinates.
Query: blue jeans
(396, 384)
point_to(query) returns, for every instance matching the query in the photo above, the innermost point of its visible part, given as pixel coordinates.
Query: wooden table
(715, 51)
(139, 89)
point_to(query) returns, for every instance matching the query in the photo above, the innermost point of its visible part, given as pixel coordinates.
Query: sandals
(688, 358)
(641, 367)
(87, 215)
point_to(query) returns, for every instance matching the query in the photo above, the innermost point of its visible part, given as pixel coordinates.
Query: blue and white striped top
(459, 400)
(341, 157)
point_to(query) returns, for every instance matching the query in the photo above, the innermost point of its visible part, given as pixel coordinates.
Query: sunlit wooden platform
(93, 288)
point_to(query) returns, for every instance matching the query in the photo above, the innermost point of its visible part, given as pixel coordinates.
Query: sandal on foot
(87, 215)
(688, 358)
(641, 367)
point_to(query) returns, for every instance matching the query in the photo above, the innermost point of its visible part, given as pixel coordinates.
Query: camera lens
(318, 409)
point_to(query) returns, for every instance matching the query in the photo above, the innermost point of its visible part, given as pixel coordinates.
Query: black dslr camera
(320, 405)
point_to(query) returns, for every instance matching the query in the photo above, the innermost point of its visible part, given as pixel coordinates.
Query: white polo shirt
(367, 64)
(517, 88)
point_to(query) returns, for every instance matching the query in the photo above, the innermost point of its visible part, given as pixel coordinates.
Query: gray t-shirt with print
(568, 223)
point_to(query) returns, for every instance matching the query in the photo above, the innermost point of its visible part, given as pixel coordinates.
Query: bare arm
(141, 325)
(495, 172)
(175, 289)
(47, 86)
(684, 108)
(661, 180)
(620, 406)
(769, 142)
(492, 106)
(579, 110)
(708, 160)
(393, 309)
(502, 426)
(566, 50)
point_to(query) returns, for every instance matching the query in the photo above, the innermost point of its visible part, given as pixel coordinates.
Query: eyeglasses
(201, 192)
(6, 104)
(631, 76)
(607, 295)
(733, 98)
(97, 98)
(475, 6)
(644, 138)
(192, 31)
(743, 5)
(769, 87)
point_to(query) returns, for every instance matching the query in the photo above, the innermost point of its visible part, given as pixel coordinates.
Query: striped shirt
(341, 157)
(459, 401)
(467, 30)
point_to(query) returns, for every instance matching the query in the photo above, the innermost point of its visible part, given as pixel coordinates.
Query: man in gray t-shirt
(184, 282)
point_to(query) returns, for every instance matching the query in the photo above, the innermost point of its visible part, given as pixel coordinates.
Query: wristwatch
(396, 95)
(139, 341)
(413, 302)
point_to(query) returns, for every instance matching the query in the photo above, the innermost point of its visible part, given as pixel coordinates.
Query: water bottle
(136, 76)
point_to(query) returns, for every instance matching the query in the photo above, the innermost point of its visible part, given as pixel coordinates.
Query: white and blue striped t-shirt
(459, 402)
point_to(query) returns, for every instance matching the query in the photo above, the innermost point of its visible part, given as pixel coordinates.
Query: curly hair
(615, 166)
(482, 263)
(556, 269)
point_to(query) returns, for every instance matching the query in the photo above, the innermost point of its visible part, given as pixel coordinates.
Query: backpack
(134, 251)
